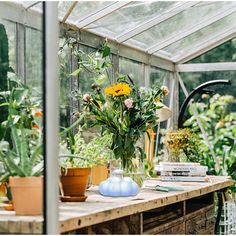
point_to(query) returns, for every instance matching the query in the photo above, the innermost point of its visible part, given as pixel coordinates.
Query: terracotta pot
(2, 190)
(99, 173)
(75, 181)
(27, 195)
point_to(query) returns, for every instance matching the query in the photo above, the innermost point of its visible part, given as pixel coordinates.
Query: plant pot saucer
(7, 206)
(73, 198)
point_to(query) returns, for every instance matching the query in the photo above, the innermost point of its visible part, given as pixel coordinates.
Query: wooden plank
(201, 221)
(199, 212)
(4, 226)
(161, 228)
(177, 229)
(98, 209)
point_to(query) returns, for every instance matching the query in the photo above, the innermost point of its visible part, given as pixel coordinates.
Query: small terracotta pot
(99, 173)
(2, 190)
(27, 195)
(75, 181)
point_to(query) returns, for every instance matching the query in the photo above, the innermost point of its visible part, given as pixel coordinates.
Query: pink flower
(86, 97)
(128, 103)
(165, 90)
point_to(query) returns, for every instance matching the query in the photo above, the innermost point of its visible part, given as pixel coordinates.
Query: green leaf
(101, 79)
(19, 95)
(36, 154)
(106, 51)
(4, 178)
(76, 72)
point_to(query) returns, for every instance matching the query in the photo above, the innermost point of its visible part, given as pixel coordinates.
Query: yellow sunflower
(119, 89)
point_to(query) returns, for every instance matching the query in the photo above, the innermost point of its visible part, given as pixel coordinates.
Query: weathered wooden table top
(98, 208)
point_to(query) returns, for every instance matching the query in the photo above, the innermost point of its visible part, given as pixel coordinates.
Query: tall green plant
(23, 122)
(24, 158)
(4, 68)
(4, 58)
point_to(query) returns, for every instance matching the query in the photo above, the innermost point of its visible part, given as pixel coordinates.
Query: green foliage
(220, 127)
(183, 141)
(92, 68)
(20, 105)
(78, 153)
(23, 159)
(21, 155)
(4, 68)
(126, 122)
(95, 63)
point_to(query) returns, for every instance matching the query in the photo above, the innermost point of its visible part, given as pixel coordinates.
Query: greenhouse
(135, 98)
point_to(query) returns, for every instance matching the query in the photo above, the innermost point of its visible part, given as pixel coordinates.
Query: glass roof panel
(180, 22)
(130, 16)
(179, 48)
(82, 8)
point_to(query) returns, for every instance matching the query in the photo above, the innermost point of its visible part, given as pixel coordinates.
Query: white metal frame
(19, 14)
(155, 21)
(200, 67)
(192, 29)
(52, 116)
(71, 8)
(94, 16)
(91, 39)
(195, 50)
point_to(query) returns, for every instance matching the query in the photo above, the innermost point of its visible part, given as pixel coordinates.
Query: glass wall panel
(33, 59)
(65, 93)
(180, 22)
(183, 46)
(226, 52)
(192, 80)
(159, 77)
(10, 28)
(134, 69)
(130, 16)
(21, 116)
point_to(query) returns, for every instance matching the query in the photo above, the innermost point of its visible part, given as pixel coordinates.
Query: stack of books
(182, 171)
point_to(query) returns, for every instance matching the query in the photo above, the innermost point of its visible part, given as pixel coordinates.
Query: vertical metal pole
(51, 116)
(20, 50)
(173, 103)
(146, 82)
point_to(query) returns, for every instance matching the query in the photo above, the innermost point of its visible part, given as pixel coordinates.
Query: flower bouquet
(126, 112)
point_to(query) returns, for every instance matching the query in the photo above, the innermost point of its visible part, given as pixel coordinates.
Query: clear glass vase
(133, 169)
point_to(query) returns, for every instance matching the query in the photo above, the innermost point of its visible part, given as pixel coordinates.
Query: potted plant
(182, 144)
(20, 149)
(97, 149)
(23, 168)
(75, 170)
(79, 160)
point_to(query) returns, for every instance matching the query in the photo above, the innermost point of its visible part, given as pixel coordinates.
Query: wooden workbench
(150, 212)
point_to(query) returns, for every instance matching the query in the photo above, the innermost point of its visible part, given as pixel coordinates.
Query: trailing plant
(220, 127)
(91, 67)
